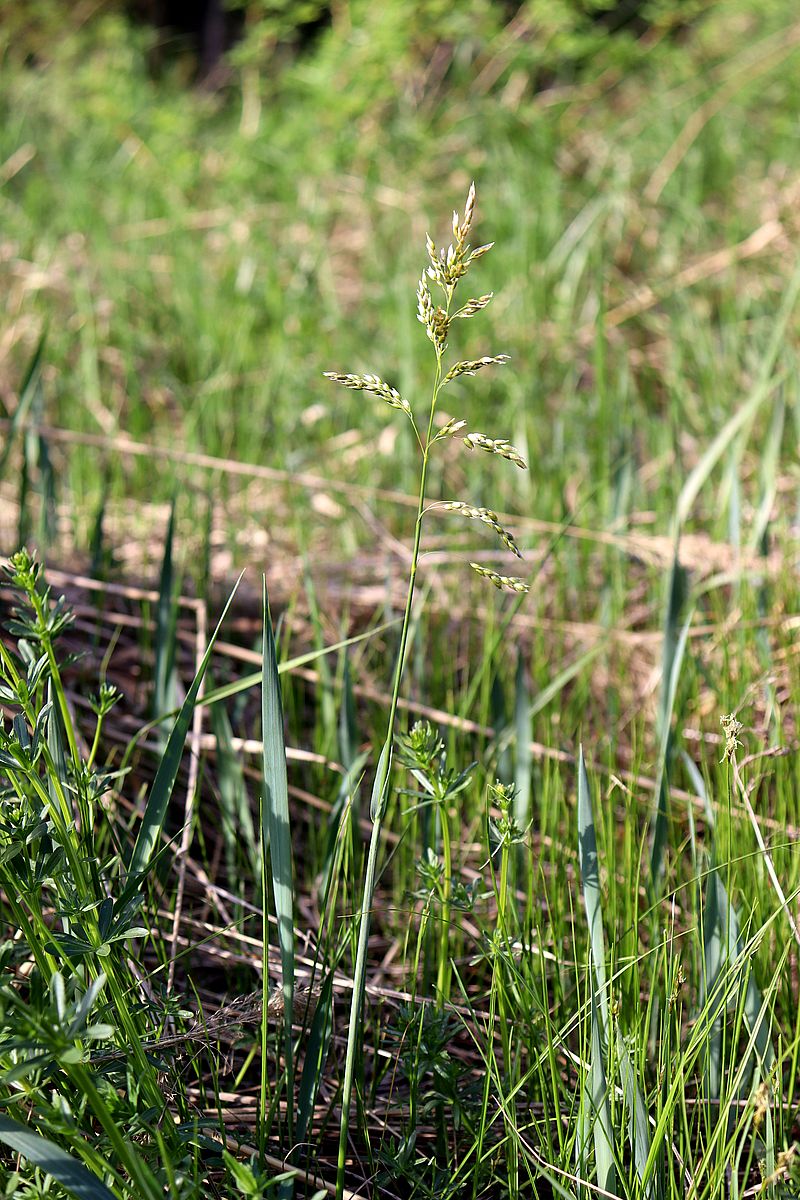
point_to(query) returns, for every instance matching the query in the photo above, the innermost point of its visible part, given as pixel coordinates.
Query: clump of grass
(445, 271)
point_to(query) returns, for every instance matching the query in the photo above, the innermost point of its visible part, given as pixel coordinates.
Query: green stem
(55, 675)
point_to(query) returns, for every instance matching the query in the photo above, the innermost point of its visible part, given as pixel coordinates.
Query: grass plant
(446, 269)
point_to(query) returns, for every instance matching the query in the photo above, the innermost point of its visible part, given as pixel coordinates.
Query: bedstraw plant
(444, 273)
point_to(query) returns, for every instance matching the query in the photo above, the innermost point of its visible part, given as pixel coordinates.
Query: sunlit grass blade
(225, 691)
(276, 833)
(160, 793)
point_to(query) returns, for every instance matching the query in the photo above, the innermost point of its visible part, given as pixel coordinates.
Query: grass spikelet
(503, 582)
(473, 365)
(478, 441)
(488, 517)
(474, 306)
(372, 384)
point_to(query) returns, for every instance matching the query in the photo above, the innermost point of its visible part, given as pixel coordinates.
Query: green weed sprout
(445, 271)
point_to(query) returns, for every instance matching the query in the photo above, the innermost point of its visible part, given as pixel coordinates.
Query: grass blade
(164, 669)
(164, 782)
(55, 1162)
(763, 388)
(523, 762)
(590, 885)
(276, 833)
(675, 638)
(29, 389)
(597, 1089)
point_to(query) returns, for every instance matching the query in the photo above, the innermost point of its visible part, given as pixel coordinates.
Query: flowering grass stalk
(445, 270)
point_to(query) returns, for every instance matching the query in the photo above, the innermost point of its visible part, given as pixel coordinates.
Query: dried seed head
(304, 1001)
(478, 441)
(509, 582)
(473, 365)
(373, 384)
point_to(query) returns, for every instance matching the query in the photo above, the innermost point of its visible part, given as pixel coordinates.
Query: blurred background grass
(200, 247)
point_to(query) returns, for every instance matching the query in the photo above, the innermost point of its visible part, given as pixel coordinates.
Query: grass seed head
(471, 366)
(373, 384)
(503, 582)
(488, 517)
(474, 306)
(478, 441)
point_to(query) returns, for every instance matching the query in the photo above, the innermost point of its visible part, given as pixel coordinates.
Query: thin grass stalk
(446, 268)
(378, 806)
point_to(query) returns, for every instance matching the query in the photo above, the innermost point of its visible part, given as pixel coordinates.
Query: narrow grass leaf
(764, 386)
(675, 638)
(523, 762)
(638, 1124)
(160, 793)
(316, 1052)
(225, 691)
(275, 829)
(590, 885)
(238, 830)
(55, 1162)
(598, 1097)
(164, 669)
(380, 784)
(769, 467)
(30, 386)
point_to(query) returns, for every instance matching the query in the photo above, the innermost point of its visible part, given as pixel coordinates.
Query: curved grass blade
(291, 664)
(55, 1162)
(763, 388)
(598, 1098)
(164, 782)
